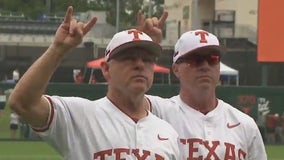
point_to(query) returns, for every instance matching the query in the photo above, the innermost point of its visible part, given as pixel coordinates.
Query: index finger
(68, 15)
(162, 19)
(140, 18)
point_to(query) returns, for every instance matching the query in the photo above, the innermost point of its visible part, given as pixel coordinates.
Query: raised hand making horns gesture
(152, 26)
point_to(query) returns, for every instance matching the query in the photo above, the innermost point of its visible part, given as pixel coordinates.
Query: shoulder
(59, 99)
(161, 124)
(74, 100)
(159, 104)
(156, 98)
(76, 104)
(160, 101)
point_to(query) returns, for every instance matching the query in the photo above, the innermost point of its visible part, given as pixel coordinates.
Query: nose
(204, 66)
(139, 63)
(204, 62)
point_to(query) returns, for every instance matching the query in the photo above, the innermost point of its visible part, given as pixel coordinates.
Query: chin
(205, 85)
(137, 91)
(139, 87)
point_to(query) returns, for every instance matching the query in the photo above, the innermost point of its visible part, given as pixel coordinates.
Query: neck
(204, 102)
(133, 106)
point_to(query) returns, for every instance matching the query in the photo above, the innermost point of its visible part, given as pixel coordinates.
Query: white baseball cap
(194, 40)
(131, 38)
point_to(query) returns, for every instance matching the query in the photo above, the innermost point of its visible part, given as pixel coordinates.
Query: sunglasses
(197, 59)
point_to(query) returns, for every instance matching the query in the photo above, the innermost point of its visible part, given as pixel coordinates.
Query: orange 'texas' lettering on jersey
(144, 156)
(135, 34)
(194, 144)
(211, 149)
(202, 35)
(120, 153)
(102, 154)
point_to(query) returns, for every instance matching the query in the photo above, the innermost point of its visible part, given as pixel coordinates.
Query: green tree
(127, 15)
(30, 8)
(59, 6)
(128, 10)
(97, 5)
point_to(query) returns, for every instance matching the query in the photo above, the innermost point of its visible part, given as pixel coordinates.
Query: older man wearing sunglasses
(209, 128)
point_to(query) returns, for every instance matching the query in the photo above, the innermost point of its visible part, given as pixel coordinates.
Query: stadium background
(261, 78)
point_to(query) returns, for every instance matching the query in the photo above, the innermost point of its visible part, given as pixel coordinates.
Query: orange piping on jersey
(149, 106)
(51, 115)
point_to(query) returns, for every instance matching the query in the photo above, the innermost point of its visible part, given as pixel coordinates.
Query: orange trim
(51, 115)
(150, 104)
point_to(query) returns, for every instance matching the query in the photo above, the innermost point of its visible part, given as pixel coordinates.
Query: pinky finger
(162, 19)
(140, 18)
(89, 25)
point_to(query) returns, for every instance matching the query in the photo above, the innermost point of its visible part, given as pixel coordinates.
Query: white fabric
(82, 129)
(234, 134)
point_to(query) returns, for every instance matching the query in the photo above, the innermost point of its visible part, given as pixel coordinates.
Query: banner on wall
(270, 46)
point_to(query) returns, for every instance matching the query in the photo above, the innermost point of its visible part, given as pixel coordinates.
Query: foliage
(128, 10)
(33, 9)
(30, 8)
(58, 6)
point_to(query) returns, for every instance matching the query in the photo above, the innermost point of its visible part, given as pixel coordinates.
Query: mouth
(204, 78)
(141, 77)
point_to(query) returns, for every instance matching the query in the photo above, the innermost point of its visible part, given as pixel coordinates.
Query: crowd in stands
(271, 127)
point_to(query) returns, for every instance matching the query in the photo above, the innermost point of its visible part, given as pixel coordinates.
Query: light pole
(117, 15)
(150, 8)
(195, 15)
(48, 6)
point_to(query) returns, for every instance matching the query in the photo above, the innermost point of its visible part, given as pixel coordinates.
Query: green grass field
(275, 152)
(24, 150)
(4, 123)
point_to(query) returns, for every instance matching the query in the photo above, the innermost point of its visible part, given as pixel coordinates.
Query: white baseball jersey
(80, 129)
(222, 134)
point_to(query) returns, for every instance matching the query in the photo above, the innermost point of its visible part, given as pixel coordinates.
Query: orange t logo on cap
(135, 33)
(203, 35)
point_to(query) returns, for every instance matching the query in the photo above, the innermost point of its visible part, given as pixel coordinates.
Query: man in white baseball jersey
(117, 126)
(208, 127)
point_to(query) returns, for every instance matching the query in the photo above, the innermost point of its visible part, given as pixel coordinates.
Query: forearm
(29, 90)
(27, 97)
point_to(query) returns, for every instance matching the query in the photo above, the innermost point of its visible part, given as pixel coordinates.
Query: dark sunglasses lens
(196, 60)
(213, 59)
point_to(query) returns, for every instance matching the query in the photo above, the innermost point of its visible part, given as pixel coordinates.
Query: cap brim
(152, 47)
